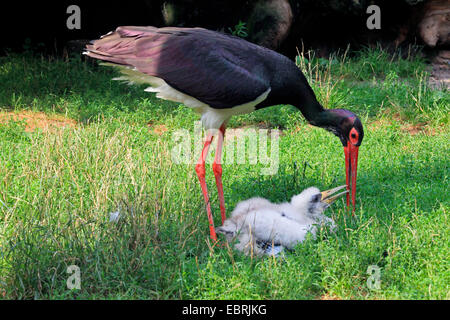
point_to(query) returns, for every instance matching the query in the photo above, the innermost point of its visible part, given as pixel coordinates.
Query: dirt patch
(377, 124)
(38, 120)
(305, 128)
(159, 129)
(327, 297)
(412, 129)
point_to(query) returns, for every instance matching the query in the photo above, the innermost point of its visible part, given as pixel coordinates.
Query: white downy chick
(258, 226)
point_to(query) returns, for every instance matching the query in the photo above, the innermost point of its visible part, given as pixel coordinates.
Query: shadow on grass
(80, 89)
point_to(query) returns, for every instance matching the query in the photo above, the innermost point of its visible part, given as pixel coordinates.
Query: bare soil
(37, 120)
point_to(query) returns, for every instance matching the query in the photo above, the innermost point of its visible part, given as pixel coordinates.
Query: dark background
(44, 23)
(41, 25)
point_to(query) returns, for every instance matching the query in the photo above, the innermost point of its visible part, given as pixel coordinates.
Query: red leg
(201, 173)
(217, 169)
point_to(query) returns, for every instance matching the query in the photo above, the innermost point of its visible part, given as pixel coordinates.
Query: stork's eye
(353, 136)
(316, 198)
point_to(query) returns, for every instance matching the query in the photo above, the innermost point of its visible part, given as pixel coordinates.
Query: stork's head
(342, 123)
(229, 229)
(313, 202)
(348, 128)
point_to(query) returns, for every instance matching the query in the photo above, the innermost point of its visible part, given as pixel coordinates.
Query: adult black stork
(220, 75)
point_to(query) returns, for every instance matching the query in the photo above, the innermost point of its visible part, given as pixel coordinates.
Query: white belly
(211, 118)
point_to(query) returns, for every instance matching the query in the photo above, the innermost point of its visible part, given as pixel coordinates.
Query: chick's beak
(329, 198)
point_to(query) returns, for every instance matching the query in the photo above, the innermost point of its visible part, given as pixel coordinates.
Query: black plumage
(220, 70)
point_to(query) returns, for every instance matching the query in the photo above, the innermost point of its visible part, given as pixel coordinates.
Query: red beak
(351, 166)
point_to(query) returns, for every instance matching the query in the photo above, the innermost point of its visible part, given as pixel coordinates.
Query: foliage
(240, 30)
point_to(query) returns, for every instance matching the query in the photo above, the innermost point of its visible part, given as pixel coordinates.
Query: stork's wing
(217, 69)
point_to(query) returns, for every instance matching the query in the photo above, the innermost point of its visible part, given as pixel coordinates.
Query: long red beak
(351, 166)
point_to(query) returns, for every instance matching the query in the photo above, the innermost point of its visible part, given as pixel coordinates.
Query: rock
(270, 22)
(434, 28)
(440, 72)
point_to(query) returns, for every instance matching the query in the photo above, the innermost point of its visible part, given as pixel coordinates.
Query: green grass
(58, 187)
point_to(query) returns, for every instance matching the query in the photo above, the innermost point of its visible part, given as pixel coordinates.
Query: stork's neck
(317, 115)
(324, 118)
(328, 119)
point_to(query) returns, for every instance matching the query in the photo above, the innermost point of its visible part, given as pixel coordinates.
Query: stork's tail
(117, 46)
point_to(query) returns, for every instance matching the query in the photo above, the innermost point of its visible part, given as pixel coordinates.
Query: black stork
(219, 76)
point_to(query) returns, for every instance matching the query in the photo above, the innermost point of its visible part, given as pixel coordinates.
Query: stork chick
(257, 223)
